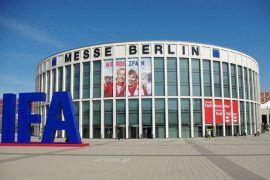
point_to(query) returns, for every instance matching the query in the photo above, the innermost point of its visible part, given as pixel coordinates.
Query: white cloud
(16, 84)
(109, 34)
(29, 31)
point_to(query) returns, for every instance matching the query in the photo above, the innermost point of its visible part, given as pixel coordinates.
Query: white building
(155, 89)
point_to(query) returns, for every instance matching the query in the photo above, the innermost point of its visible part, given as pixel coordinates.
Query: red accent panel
(218, 111)
(208, 111)
(227, 109)
(235, 112)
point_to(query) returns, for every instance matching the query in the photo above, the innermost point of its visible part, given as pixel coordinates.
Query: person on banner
(108, 86)
(120, 82)
(133, 85)
(146, 85)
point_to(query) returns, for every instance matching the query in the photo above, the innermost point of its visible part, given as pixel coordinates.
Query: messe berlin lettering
(144, 49)
(61, 104)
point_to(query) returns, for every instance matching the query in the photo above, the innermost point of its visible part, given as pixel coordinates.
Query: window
(54, 80)
(185, 118)
(68, 77)
(242, 117)
(96, 79)
(60, 79)
(172, 76)
(184, 77)
(76, 84)
(133, 111)
(240, 82)
(159, 76)
(108, 118)
(250, 85)
(197, 117)
(217, 79)
(248, 117)
(233, 81)
(120, 112)
(207, 78)
(85, 119)
(160, 118)
(108, 112)
(226, 83)
(44, 82)
(173, 118)
(246, 84)
(196, 77)
(147, 112)
(96, 119)
(48, 85)
(86, 80)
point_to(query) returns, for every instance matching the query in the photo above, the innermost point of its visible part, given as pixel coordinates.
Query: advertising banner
(235, 112)
(120, 77)
(208, 111)
(108, 78)
(227, 110)
(133, 76)
(218, 111)
(146, 77)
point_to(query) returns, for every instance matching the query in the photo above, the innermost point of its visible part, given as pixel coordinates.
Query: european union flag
(54, 61)
(216, 53)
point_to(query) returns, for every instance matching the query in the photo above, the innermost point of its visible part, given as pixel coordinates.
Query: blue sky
(33, 30)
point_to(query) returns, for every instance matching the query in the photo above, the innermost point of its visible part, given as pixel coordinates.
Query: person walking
(208, 134)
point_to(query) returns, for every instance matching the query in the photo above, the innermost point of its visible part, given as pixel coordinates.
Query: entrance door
(219, 130)
(147, 132)
(108, 132)
(134, 132)
(236, 130)
(121, 132)
(228, 130)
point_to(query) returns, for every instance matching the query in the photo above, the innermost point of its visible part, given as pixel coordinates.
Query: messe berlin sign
(61, 104)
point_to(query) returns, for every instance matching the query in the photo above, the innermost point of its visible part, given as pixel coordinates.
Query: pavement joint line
(229, 167)
(137, 155)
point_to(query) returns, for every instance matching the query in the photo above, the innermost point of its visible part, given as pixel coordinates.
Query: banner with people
(131, 83)
(108, 78)
(133, 77)
(146, 77)
(120, 77)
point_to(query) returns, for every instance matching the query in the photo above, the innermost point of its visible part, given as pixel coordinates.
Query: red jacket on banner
(235, 112)
(208, 111)
(218, 111)
(227, 109)
(108, 89)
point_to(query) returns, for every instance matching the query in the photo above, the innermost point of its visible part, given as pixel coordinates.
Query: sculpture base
(34, 144)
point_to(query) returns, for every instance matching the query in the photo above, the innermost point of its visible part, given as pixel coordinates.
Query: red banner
(227, 110)
(218, 111)
(235, 112)
(208, 111)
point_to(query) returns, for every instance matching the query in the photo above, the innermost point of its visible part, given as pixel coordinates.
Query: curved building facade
(155, 89)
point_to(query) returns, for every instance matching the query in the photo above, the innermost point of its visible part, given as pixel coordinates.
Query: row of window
(247, 120)
(135, 77)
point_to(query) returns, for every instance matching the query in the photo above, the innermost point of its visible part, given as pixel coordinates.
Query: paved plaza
(197, 158)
